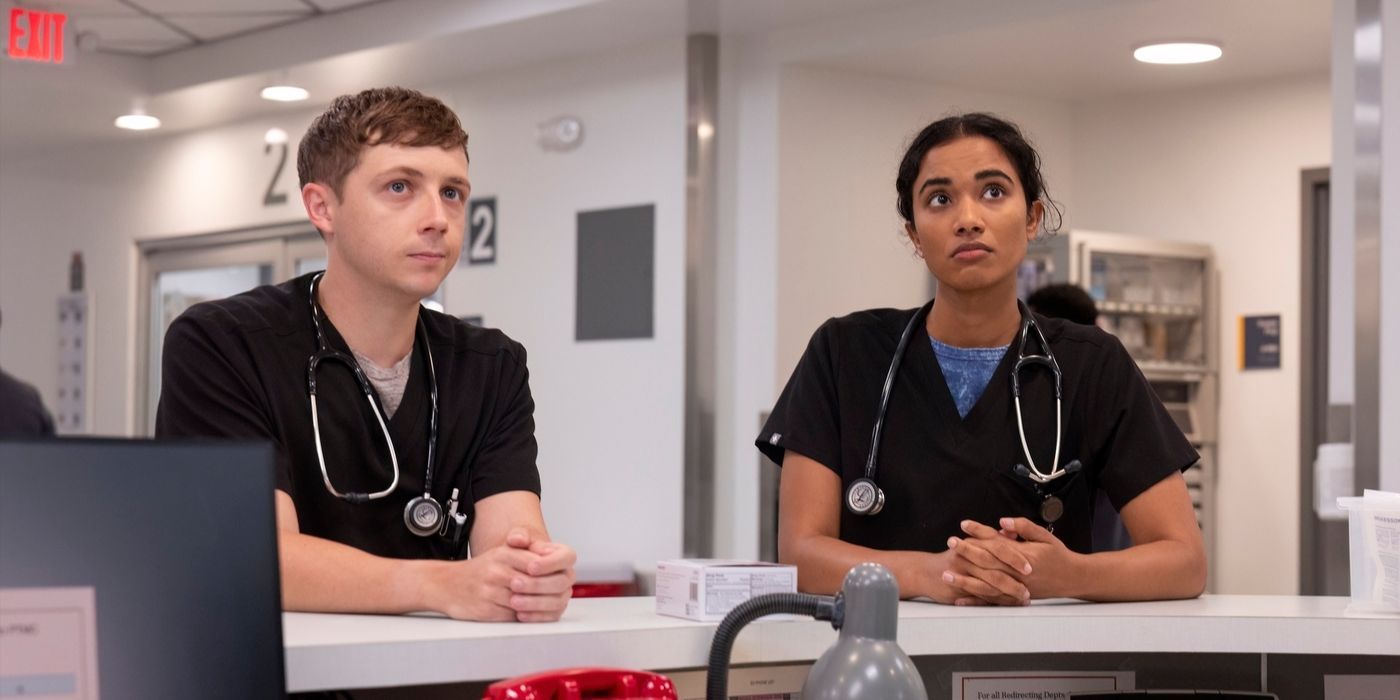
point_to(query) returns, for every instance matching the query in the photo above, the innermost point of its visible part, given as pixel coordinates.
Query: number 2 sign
(481, 241)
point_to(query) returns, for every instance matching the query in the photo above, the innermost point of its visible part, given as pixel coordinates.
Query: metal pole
(1366, 415)
(701, 299)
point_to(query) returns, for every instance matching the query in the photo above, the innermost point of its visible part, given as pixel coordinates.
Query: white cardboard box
(707, 589)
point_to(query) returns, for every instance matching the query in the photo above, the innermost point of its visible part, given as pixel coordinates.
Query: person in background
(1072, 303)
(22, 412)
(1067, 301)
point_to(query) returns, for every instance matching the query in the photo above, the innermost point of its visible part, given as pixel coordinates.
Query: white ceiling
(1067, 49)
(1088, 54)
(154, 27)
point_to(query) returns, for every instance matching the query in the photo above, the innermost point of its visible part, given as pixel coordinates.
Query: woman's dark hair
(1022, 154)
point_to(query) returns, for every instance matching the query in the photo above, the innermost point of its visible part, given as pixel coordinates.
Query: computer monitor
(138, 569)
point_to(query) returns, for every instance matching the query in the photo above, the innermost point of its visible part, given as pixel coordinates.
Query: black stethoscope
(423, 516)
(865, 497)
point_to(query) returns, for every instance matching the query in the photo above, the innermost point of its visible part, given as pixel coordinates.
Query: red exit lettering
(36, 35)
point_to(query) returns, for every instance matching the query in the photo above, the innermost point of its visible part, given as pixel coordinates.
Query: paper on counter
(1382, 536)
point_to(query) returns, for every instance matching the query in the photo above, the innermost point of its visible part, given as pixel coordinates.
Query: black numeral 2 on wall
(481, 241)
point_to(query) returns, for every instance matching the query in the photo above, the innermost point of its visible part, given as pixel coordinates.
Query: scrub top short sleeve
(805, 418)
(507, 459)
(205, 393)
(1140, 444)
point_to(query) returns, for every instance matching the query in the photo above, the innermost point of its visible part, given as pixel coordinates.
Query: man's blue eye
(398, 187)
(452, 193)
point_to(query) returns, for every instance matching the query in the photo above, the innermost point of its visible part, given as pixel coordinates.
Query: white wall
(841, 241)
(609, 415)
(1222, 167)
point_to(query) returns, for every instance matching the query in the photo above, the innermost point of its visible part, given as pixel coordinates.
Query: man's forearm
(319, 575)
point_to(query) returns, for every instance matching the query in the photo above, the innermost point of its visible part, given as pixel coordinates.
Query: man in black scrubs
(408, 442)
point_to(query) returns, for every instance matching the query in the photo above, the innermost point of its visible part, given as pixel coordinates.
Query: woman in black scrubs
(961, 514)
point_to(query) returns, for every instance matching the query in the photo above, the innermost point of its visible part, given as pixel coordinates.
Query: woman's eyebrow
(985, 174)
(934, 181)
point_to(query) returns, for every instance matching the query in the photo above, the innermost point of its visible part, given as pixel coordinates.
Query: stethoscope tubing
(1028, 325)
(324, 352)
(321, 458)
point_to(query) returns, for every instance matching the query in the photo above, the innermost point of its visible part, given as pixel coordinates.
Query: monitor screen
(138, 569)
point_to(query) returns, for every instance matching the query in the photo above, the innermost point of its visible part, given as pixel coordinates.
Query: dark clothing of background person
(22, 412)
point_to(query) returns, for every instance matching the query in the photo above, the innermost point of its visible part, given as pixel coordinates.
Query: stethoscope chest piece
(1051, 508)
(423, 516)
(863, 497)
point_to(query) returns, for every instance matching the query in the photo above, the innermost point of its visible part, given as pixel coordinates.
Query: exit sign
(36, 35)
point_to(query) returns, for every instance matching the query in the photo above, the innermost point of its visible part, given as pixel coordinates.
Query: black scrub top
(237, 368)
(937, 468)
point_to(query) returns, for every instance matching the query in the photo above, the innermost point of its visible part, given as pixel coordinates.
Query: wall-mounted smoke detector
(561, 134)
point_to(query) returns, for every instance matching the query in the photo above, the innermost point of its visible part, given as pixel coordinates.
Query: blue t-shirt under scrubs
(968, 370)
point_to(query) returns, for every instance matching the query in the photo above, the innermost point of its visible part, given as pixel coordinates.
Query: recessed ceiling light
(1179, 52)
(284, 93)
(137, 121)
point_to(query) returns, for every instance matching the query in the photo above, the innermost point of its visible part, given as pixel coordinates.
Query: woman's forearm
(822, 563)
(1160, 570)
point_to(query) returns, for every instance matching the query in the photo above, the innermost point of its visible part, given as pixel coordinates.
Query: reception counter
(363, 651)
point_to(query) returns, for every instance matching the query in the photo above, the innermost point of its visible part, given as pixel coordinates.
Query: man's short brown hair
(390, 115)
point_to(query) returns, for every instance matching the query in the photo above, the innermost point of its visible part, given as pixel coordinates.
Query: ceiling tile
(212, 27)
(219, 7)
(334, 5)
(109, 8)
(126, 30)
(144, 48)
